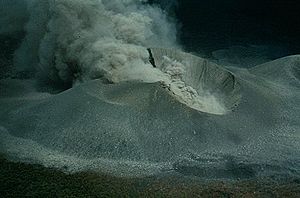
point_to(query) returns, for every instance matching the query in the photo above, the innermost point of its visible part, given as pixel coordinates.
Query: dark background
(208, 25)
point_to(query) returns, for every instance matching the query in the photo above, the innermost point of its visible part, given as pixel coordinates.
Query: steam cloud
(71, 41)
(75, 40)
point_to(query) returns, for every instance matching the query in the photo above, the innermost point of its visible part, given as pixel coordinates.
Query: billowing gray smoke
(71, 40)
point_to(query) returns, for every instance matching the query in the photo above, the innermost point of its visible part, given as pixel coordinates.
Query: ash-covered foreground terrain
(136, 128)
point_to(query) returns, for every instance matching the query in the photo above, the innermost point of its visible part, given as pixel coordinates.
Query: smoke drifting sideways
(69, 41)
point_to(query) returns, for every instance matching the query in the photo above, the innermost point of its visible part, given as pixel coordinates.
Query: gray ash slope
(135, 128)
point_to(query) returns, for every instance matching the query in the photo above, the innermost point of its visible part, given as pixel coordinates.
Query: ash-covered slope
(284, 70)
(137, 128)
(214, 89)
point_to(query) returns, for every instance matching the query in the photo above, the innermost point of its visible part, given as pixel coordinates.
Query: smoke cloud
(73, 41)
(76, 40)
